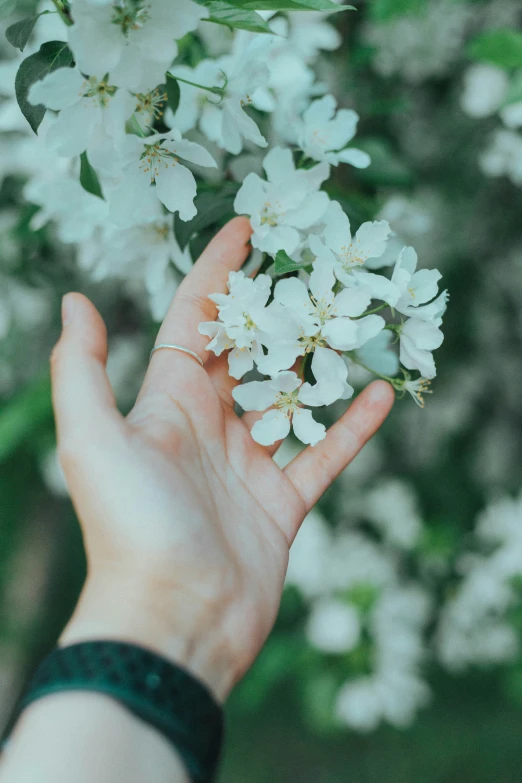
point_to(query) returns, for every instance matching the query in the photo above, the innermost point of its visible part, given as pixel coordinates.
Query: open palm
(177, 495)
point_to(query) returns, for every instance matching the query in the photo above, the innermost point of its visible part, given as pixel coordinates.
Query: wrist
(134, 610)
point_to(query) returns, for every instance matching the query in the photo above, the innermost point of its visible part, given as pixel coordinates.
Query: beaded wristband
(155, 690)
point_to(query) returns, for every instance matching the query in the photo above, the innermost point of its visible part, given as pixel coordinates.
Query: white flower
(245, 323)
(392, 506)
(417, 388)
(432, 312)
(324, 135)
(504, 156)
(348, 254)
(197, 107)
(358, 704)
(143, 256)
(475, 626)
(281, 208)
(416, 288)
(312, 33)
(245, 76)
(511, 115)
(155, 161)
(310, 556)
(92, 112)
(134, 42)
(330, 373)
(485, 88)
(333, 626)
(283, 392)
(242, 76)
(418, 339)
(77, 213)
(423, 45)
(322, 317)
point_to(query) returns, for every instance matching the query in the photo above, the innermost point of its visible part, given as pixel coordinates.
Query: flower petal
(371, 238)
(194, 153)
(70, 134)
(355, 157)
(341, 333)
(176, 188)
(279, 165)
(330, 372)
(337, 232)
(292, 292)
(369, 327)
(59, 89)
(240, 361)
(273, 426)
(309, 212)
(255, 395)
(352, 302)
(251, 195)
(306, 428)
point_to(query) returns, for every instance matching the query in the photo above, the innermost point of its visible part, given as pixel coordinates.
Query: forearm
(85, 737)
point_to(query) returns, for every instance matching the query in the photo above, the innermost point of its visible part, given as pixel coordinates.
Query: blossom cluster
(475, 626)
(488, 91)
(322, 316)
(355, 592)
(135, 130)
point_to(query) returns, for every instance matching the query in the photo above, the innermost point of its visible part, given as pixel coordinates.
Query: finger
(217, 369)
(82, 395)
(218, 372)
(191, 306)
(312, 471)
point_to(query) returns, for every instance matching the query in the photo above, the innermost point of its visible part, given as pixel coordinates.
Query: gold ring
(176, 348)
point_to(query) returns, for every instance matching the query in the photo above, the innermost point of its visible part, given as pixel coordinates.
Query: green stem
(214, 90)
(371, 312)
(63, 11)
(137, 126)
(397, 383)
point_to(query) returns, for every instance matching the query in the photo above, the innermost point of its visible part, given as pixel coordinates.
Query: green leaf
(212, 208)
(173, 92)
(88, 177)
(7, 7)
(384, 10)
(52, 55)
(283, 264)
(501, 47)
(225, 13)
(25, 414)
(20, 32)
(285, 5)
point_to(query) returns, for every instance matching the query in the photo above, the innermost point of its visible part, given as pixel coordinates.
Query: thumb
(82, 395)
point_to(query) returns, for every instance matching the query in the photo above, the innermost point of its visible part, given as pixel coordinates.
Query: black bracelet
(155, 690)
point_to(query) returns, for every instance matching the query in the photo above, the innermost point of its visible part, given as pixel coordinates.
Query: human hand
(187, 522)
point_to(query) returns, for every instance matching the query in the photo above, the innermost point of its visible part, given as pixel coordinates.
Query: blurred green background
(437, 176)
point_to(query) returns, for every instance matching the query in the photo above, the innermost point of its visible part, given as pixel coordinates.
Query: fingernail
(67, 309)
